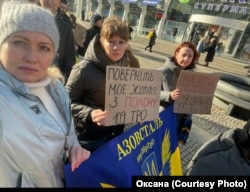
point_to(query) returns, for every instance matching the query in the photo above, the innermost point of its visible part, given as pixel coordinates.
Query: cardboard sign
(197, 92)
(132, 95)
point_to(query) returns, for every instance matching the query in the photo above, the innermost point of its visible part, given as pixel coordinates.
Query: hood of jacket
(170, 64)
(224, 149)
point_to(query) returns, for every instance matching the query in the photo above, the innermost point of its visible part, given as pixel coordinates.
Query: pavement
(204, 127)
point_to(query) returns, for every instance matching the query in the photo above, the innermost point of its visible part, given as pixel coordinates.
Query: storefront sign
(129, 1)
(234, 1)
(144, 2)
(183, 1)
(150, 2)
(218, 7)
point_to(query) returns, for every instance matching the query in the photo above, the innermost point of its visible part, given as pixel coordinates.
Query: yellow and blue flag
(148, 149)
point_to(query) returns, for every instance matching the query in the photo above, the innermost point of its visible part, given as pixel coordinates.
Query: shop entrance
(199, 30)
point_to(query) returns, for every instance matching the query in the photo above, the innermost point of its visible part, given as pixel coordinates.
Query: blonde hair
(202, 39)
(54, 73)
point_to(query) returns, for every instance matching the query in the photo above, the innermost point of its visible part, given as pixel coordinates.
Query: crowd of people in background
(210, 44)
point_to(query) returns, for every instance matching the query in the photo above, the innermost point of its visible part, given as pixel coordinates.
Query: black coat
(66, 18)
(86, 87)
(210, 51)
(152, 39)
(88, 36)
(66, 52)
(226, 154)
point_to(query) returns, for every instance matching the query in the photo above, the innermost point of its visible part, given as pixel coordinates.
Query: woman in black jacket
(86, 84)
(210, 51)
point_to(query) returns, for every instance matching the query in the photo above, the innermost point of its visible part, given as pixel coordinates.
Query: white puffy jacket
(31, 141)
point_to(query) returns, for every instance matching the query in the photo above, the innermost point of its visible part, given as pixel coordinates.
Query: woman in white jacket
(36, 127)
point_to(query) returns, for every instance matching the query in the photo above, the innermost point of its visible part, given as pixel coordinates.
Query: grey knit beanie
(17, 16)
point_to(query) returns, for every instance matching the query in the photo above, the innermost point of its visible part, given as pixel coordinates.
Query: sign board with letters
(197, 92)
(132, 95)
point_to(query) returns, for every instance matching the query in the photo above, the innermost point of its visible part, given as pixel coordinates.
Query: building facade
(229, 19)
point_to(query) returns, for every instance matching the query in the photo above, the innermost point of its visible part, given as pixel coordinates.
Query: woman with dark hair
(184, 58)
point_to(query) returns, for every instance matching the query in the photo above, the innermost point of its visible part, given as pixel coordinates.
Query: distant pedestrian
(210, 52)
(152, 37)
(200, 47)
(219, 46)
(96, 21)
(174, 33)
(246, 50)
(130, 30)
(208, 36)
(63, 9)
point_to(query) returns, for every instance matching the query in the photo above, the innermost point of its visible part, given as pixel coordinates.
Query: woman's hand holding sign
(99, 116)
(175, 94)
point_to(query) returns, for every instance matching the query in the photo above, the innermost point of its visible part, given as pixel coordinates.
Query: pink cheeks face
(184, 57)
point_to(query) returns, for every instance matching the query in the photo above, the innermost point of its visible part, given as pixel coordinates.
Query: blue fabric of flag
(150, 149)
